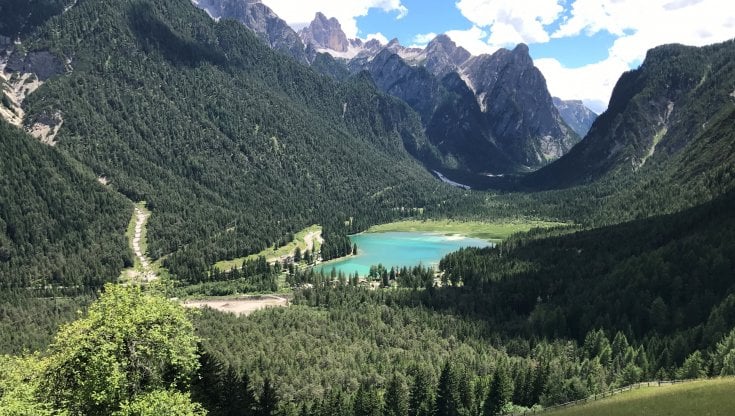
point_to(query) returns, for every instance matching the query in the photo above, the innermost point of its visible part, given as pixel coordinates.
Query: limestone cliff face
(680, 99)
(523, 118)
(442, 56)
(325, 33)
(493, 114)
(393, 75)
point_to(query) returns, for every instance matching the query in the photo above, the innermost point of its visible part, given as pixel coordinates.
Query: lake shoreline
(399, 249)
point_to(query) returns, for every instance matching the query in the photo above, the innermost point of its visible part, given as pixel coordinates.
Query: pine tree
(297, 255)
(448, 402)
(396, 398)
(205, 387)
(242, 398)
(500, 393)
(367, 402)
(420, 400)
(268, 403)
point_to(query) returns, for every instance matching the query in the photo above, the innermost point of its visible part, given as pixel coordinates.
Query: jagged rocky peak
(521, 50)
(514, 95)
(373, 44)
(442, 56)
(324, 33)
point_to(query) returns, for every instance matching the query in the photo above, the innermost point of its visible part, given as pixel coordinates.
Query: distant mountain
(450, 113)
(576, 115)
(507, 124)
(325, 33)
(671, 112)
(501, 118)
(442, 56)
(523, 118)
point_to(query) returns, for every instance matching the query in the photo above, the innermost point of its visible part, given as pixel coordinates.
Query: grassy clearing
(272, 253)
(493, 231)
(705, 397)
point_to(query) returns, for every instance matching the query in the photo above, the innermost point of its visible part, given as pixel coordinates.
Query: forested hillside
(58, 225)
(201, 119)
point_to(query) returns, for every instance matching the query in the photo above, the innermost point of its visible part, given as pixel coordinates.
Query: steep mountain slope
(260, 19)
(657, 114)
(661, 276)
(442, 56)
(513, 94)
(509, 123)
(58, 225)
(452, 117)
(576, 115)
(232, 145)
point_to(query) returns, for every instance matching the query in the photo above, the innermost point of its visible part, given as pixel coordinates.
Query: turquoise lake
(398, 249)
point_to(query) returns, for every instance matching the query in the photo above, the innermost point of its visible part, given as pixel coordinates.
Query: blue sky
(581, 46)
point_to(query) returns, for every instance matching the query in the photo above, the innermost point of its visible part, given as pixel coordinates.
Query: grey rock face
(325, 33)
(443, 56)
(513, 94)
(260, 19)
(418, 88)
(576, 115)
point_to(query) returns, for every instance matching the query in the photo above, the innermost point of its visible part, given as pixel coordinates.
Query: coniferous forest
(234, 148)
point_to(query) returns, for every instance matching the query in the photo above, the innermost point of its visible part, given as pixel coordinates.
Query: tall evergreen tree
(367, 402)
(205, 387)
(500, 393)
(268, 402)
(237, 397)
(420, 399)
(448, 400)
(396, 397)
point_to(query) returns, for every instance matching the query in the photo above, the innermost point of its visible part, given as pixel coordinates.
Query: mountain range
(488, 114)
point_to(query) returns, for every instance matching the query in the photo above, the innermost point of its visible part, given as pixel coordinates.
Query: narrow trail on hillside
(141, 218)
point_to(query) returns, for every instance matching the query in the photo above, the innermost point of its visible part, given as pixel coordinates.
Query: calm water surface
(398, 249)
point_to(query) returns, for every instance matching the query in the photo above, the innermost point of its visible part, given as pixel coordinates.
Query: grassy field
(701, 398)
(272, 253)
(494, 231)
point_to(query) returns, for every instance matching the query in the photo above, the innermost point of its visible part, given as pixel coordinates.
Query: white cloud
(379, 37)
(512, 21)
(473, 39)
(424, 38)
(591, 83)
(299, 13)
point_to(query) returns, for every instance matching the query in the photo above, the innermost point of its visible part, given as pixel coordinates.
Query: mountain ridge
(655, 112)
(514, 140)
